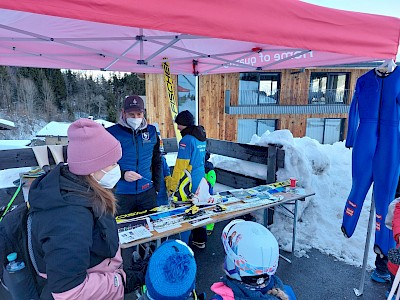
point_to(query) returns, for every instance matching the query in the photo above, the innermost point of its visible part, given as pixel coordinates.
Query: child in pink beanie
(74, 233)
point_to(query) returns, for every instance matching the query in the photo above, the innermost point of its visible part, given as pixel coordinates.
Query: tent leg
(360, 289)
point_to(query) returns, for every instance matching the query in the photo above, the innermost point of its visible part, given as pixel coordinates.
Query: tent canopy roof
(204, 36)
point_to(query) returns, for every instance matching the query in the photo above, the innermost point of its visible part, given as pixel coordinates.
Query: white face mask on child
(134, 123)
(110, 178)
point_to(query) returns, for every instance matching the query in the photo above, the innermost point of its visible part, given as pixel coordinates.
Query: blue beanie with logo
(171, 273)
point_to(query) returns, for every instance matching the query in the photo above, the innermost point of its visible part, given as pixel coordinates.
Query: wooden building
(232, 106)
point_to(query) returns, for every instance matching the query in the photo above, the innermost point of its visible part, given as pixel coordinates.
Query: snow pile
(326, 170)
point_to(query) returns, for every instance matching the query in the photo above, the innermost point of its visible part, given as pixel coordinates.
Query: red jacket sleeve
(396, 222)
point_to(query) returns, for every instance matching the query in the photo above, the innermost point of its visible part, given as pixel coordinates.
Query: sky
(378, 7)
(324, 169)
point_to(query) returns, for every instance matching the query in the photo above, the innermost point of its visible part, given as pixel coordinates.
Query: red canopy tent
(204, 36)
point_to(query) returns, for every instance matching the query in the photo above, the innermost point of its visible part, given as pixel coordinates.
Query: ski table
(279, 184)
(157, 212)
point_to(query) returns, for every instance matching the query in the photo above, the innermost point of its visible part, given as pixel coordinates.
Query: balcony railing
(294, 97)
(330, 96)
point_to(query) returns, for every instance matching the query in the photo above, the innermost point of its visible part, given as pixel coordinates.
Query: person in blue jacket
(141, 158)
(252, 255)
(191, 154)
(373, 132)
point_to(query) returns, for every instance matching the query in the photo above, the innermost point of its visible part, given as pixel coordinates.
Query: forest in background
(63, 95)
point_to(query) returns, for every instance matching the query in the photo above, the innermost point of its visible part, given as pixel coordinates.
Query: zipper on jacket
(137, 158)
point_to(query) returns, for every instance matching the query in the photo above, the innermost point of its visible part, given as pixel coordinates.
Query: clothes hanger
(387, 66)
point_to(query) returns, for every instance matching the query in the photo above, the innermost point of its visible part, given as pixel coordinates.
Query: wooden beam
(246, 152)
(236, 180)
(258, 154)
(170, 145)
(18, 158)
(272, 165)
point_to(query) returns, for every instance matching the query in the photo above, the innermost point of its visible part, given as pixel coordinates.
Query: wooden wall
(157, 104)
(223, 126)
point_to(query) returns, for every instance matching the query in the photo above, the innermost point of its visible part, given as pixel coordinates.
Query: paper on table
(133, 234)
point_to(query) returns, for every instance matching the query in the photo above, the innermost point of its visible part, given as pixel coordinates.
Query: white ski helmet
(251, 250)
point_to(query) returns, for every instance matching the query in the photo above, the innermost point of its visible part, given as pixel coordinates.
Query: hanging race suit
(373, 132)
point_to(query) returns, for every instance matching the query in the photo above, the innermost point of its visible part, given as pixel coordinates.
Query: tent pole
(196, 99)
(360, 289)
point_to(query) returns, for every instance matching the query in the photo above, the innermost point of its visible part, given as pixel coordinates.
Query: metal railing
(294, 97)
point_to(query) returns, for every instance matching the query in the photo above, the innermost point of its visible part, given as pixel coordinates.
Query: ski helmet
(251, 250)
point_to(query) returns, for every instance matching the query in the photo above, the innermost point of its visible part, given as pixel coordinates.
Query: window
(259, 88)
(328, 88)
(325, 131)
(187, 93)
(248, 127)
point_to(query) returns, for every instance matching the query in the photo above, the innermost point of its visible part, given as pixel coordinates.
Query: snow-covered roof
(61, 128)
(105, 123)
(13, 144)
(5, 124)
(54, 129)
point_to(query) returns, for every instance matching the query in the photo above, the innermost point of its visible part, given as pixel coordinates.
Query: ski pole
(21, 183)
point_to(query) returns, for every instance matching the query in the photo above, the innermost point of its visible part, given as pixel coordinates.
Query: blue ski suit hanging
(373, 132)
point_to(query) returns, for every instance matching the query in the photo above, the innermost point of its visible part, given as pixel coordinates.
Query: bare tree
(49, 107)
(100, 103)
(28, 94)
(5, 94)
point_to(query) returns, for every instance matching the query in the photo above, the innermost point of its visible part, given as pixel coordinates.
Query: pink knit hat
(91, 147)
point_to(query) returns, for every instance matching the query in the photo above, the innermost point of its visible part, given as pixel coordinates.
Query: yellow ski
(171, 98)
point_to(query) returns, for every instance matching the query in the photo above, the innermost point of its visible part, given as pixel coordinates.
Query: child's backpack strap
(30, 247)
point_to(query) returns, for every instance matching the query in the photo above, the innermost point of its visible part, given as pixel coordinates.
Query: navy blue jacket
(162, 197)
(140, 153)
(68, 234)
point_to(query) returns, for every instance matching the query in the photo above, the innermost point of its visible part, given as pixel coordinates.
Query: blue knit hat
(171, 273)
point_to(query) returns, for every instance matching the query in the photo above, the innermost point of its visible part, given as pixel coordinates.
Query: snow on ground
(326, 170)
(8, 176)
(13, 144)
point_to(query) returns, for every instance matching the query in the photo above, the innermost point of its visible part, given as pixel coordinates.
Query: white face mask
(134, 123)
(110, 178)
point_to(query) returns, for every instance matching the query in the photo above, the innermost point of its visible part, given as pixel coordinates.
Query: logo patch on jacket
(146, 136)
(182, 145)
(145, 186)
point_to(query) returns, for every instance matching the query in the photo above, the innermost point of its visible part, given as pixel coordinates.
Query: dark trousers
(381, 263)
(128, 203)
(199, 235)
